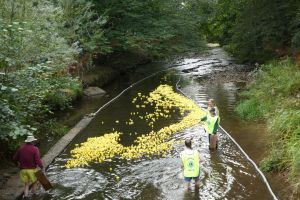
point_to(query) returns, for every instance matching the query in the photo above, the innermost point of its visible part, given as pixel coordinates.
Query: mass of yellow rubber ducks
(95, 149)
(165, 102)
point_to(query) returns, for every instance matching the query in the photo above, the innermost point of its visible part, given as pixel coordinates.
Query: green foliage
(53, 128)
(272, 162)
(82, 24)
(296, 41)
(29, 35)
(296, 33)
(36, 46)
(152, 28)
(40, 40)
(29, 95)
(11, 127)
(222, 20)
(64, 89)
(267, 32)
(249, 109)
(275, 96)
(255, 30)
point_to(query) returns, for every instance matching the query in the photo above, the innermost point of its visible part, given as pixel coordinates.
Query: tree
(256, 30)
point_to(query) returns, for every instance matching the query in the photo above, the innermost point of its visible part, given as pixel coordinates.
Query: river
(225, 174)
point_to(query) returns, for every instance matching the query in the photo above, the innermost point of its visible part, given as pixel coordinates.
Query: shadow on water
(225, 174)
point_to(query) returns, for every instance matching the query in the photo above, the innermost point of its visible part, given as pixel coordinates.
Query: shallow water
(225, 174)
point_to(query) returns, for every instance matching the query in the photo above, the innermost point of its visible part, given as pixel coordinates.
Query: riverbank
(275, 97)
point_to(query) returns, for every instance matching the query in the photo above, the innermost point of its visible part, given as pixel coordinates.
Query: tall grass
(274, 96)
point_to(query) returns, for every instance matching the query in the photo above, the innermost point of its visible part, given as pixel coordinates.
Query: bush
(272, 162)
(53, 128)
(28, 96)
(296, 42)
(64, 90)
(249, 109)
(256, 30)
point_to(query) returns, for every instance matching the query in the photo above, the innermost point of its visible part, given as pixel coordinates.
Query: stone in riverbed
(93, 91)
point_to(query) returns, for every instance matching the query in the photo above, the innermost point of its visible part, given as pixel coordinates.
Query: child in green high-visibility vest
(212, 124)
(190, 162)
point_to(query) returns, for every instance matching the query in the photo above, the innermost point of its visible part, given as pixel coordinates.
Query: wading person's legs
(28, 176)
(33, 180)
(213, 141)
(34, 187)
(26, 189)
(25, 180)
(187, 184)
(188, 180)
(197, 183)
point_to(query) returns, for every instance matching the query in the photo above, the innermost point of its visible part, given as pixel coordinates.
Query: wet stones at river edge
(93, 91)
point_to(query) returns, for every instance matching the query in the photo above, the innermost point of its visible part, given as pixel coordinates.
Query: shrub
(28, 96)
(296, 41)
(249, 109)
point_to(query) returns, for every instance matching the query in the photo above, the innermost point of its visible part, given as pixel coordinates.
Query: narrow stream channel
(225, 174)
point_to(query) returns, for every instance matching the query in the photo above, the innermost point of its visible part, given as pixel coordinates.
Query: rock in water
(93, 91)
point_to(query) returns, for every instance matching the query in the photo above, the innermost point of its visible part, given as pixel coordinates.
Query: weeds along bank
(46, 46)
(275, 97)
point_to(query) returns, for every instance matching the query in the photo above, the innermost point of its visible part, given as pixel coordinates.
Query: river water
(225, 174)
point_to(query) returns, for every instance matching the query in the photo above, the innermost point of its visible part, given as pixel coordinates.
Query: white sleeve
(217, 110)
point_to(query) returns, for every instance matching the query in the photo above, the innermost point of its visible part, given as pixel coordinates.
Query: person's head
(211, 103)
(30, 139)
(212, 111)
(188, 143)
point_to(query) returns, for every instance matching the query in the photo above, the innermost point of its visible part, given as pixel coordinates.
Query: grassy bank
(275, 97)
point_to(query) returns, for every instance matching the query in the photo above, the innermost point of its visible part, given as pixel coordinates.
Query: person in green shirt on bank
(212, 123)
(190, 162)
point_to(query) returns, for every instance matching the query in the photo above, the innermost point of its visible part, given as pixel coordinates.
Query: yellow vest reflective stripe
(190, 162)
(211, 121)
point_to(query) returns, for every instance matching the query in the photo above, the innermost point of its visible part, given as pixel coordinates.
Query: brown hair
(212, 101)
(188, 143)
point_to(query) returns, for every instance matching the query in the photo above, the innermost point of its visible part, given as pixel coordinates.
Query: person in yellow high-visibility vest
(190, 162)
(212, 124)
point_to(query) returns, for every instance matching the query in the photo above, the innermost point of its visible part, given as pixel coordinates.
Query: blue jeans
(189, 179)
